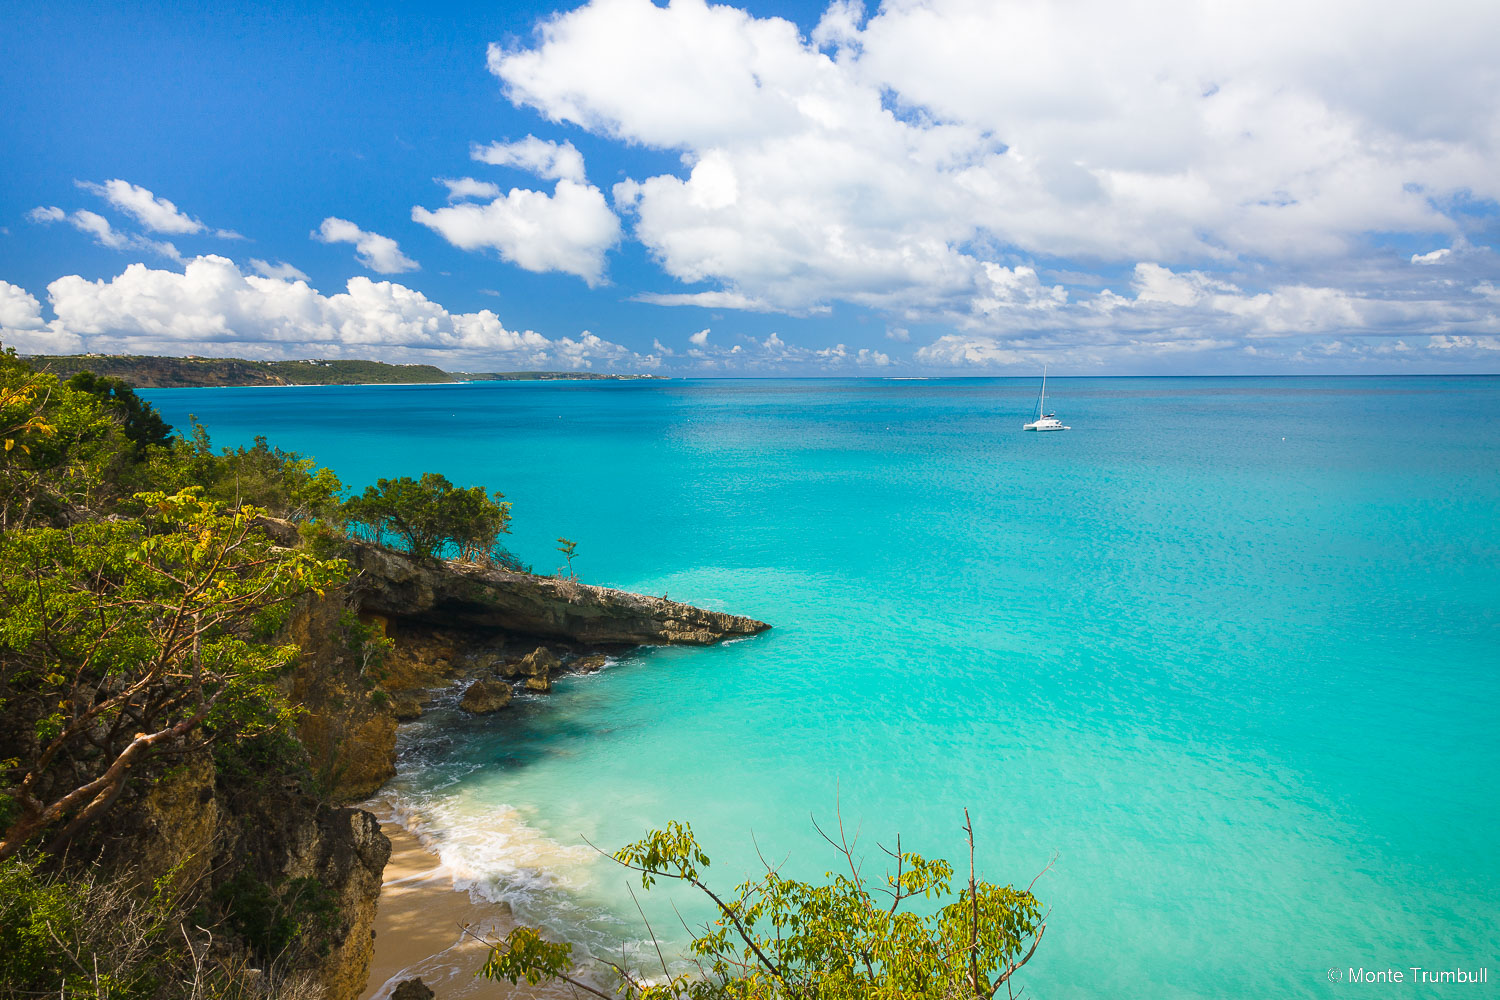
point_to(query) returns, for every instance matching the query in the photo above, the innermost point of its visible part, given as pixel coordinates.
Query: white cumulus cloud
(22, 326)
(97, 226)
(280, 269)
(569, 230)
(19, 309)
(463, 188)
(548, 160)
(155, 213)
(378, 253)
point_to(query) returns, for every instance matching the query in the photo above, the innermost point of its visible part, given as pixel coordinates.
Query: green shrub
(61, 450)
(34, 912)
(80, 934)
(283, 482)
(140, 422)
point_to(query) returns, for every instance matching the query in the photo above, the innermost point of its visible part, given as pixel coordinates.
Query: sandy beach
(419, 931)
(419, 927)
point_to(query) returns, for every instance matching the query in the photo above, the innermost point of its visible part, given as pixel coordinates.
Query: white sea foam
(494, 855)
(489, 849)
(497, 857)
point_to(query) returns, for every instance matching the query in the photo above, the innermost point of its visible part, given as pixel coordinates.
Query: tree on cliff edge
(432, 516)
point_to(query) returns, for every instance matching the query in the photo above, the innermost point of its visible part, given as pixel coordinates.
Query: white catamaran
(1045, 421)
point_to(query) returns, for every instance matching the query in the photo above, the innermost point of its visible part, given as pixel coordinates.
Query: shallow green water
(1229, 648)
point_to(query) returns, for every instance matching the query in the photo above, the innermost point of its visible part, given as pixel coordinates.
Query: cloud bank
(214, 308)
(931, 160)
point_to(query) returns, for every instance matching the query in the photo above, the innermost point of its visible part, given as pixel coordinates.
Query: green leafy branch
(777, 937)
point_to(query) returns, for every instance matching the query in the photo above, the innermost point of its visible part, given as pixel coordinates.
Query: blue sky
(929, 186)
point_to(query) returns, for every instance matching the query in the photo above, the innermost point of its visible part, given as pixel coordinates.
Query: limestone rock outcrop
(341, 851)
(467, 595)
(538, 663)
(344, 850)
(350, 735)
(176, 825)
(432, 623)
(485, 696)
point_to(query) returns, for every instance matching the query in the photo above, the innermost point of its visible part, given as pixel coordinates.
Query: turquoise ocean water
(1230, 649)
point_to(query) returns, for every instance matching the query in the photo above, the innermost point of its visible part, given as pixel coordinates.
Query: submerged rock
(485, 696)
(412, 989)
(486, 662)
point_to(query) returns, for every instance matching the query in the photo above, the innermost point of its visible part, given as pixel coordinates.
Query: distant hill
(146, 372)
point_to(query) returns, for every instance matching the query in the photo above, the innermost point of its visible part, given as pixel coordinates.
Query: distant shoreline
(165, 372)
(169, 372)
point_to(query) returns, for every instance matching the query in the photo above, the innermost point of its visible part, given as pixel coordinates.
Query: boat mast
(1041, 404)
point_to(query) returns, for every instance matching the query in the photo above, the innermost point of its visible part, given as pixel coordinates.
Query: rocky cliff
(286, 843)
(347, 728)
(466, 595)
(269, 866)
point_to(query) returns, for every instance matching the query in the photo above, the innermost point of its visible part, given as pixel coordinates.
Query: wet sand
(419, 928)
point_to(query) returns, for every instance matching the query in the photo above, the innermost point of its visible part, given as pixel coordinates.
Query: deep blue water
(1229, 648)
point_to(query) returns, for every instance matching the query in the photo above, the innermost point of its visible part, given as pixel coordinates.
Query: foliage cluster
(274, 920)
(144, 606)
(61, 449)
(131, 637)
(142, 594)
(283, 482)
(432, 517)
(141, 425)
(778, 938)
